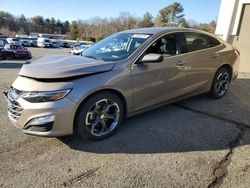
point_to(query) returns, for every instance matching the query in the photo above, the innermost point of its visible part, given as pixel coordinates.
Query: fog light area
(41, 120)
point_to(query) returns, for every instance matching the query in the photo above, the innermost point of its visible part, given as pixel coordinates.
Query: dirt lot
(198, 142)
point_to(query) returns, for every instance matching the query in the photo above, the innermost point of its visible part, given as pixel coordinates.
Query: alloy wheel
(103, 117)
(222, 83)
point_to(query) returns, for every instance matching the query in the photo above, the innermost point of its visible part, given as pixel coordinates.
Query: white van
(44, 42)
(15, 41)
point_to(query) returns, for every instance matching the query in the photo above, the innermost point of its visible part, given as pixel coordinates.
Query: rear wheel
(220, 84)
(99, 116)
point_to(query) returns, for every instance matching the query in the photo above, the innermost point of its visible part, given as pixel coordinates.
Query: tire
(99, 116)
(220, 85)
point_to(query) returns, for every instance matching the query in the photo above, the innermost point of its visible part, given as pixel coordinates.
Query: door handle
(213, 56)
(180, 63)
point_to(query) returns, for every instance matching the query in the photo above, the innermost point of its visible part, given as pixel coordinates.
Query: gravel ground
(197, 142)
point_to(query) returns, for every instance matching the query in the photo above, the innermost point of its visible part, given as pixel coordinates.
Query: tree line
(10, 24)
(97, 28)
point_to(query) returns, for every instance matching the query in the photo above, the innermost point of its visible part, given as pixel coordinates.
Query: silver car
(125, 74)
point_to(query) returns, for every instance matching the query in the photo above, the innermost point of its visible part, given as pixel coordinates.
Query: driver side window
(166, 45)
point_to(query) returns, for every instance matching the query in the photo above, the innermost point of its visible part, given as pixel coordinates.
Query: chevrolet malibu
(125, 74)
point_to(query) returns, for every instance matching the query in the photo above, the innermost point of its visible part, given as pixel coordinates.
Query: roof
(155, 30)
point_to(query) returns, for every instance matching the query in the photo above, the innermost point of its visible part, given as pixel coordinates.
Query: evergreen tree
(147, 20)
(73, 32)
(171, 15)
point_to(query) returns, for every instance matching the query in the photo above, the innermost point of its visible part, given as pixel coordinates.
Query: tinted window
(196, 41)
(165, 45)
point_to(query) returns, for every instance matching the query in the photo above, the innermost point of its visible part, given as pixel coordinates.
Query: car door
(202, 59)
(154, 83)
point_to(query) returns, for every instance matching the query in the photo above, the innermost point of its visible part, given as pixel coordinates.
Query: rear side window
(196, 41)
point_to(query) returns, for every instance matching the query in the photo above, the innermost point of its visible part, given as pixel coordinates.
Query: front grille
(14, 108)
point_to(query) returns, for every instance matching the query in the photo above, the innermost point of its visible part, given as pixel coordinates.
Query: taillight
(237, 52)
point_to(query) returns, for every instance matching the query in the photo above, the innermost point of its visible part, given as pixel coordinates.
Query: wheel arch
(114, 91)
(228, 67)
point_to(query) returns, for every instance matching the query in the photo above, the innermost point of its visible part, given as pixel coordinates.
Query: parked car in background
(44, 42)
(15, 41)
(13, 51)
(65, 45)
(79, 49)
(74, 44)
(55, 45)
(141, 70)
(33, 43)
(25, 43)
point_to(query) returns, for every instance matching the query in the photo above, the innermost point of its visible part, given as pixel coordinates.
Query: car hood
(63, 66)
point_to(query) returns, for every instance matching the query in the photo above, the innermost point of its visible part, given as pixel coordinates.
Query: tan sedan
(125, 74)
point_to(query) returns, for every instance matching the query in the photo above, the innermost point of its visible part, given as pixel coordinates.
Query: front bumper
(22, 114)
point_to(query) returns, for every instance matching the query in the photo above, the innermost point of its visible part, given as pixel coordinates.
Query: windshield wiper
(93, 57)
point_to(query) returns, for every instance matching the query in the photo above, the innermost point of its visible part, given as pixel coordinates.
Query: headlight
(44, 96)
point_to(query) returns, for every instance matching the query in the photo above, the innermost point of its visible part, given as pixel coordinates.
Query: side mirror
(152, 58)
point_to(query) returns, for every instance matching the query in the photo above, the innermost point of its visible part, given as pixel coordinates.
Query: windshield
(116, 47)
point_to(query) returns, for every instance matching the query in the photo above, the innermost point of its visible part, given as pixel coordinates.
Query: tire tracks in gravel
(80, 177)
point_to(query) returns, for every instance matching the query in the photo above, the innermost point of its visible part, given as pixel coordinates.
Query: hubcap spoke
(97, 112)
(107, 108)
(104, 125)
(89, 116)
(109, 116)
(94, 125)
(218, 88)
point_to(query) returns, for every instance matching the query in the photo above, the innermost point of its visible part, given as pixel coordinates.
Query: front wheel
(99, 116)
(220, 84)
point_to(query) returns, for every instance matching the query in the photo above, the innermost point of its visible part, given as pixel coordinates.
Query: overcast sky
(199, 10)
